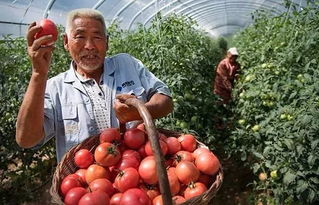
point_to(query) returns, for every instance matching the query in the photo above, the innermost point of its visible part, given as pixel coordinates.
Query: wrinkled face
(87, 43)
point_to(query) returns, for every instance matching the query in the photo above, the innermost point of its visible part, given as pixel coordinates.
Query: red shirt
(224, 78)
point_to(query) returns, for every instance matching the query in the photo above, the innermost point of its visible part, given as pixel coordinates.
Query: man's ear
(66, 41)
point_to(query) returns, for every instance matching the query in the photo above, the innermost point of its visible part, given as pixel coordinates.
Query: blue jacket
(68, 109)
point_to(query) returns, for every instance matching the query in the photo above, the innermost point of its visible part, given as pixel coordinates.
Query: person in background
(88, 97)
(226, 72)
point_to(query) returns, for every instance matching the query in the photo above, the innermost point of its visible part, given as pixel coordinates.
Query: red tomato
(70, 182)
(158, 200)
(74, 195)
(186, 172)
(161, 136)
(116, 198)
(195, 189)
(111, 135)
(173, 145)
(134, 138)
(182, 190)
(95, 172)
(169, 161)
(207, 163)
(127, 179)
(83, 158)
(178, 199)
(131, 152)
(173, 181)
(205, 179)
(81, 173)
(102, 184)
(135, 196)
(75, 176)
(147, 170)
(48, 28)
(151, 190)
(183, 156)
(107, 154)
(95, 198)
(141, 127)
(142, 152)
(127, 162)
(200, 150)
(188, 142)
(148, 148)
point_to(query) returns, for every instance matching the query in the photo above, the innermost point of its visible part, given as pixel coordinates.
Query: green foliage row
(178, 54)
(277, 102)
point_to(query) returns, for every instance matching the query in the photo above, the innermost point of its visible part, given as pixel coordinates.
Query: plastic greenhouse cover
(216, 17)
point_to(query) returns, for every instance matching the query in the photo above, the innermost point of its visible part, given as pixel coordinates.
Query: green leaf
(301, 186)
(315, 180)
(312, 159)
(314, 144)
(289, 143)
(258, 155)
(288, 178)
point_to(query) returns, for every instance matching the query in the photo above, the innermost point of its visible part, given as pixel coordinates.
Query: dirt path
(234, 190)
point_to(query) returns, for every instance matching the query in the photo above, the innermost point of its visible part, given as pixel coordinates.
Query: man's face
(87, 43)
(232, 58)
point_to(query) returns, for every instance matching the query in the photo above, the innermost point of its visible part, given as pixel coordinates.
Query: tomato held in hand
(48, 28)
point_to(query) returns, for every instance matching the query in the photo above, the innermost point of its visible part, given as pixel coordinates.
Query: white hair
(84, 12)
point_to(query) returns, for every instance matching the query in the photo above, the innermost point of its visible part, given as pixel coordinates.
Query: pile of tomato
(121, 170)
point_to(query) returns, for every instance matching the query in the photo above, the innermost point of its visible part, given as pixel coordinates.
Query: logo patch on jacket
(128, 83)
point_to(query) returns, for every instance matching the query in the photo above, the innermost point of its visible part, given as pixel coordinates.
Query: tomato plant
(276, 103)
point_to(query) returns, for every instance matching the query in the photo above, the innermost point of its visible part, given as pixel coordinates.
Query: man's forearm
(29, 127)
(159, 105)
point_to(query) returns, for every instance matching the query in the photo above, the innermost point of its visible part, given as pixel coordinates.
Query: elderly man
(226, 72)
(87, 98)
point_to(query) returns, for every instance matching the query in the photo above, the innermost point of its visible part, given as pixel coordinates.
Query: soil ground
(235, 189)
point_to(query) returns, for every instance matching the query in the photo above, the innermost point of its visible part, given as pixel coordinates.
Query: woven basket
(67, 166)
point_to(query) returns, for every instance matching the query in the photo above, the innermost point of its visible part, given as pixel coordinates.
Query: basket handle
(153, 137)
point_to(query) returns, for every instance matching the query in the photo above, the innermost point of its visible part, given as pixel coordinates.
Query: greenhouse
(133, 102)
